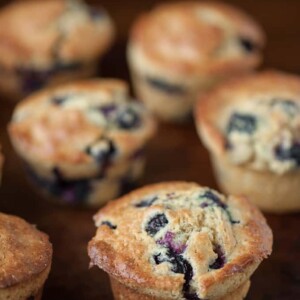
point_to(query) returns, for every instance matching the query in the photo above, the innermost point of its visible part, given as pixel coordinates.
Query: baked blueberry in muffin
(82, 142)
(43, 43)
(180, 50)
(25, 259)
(252, 128)
(166, 244)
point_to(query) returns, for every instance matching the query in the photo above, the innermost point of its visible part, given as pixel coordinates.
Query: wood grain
(175, 153)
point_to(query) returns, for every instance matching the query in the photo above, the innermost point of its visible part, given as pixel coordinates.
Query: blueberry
(169, 242)
(108, 109)
(102, 151)
(67, 67)
(59, 100)
(96, 14)
(245, 123)
(204, 205)
(31, 79)
(214, 199)
(292, 153)
(128, 119)
(191, 296)
(247, 44)
(165, 86)
(220, 261)
(289, 106)
(158, 258)
(72, 191)
(109, 224)
(179, 265)
(156, 223)
(147, 202)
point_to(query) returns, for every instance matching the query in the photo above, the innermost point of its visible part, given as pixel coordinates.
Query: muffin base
(30, 290)
(12, 82)
(122, 292)
(167, 106)
(270, 192)
(90, 192)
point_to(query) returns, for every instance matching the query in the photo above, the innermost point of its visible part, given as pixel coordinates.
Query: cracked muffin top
(191, 37)
(79, 125)
(180, 240)
(25, 251)
(254, 121)
(41, 33)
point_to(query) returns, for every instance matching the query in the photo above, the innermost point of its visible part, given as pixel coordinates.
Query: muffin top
(82, 125)
(179, 240)
(38, 34)
(25, 251)
(254, 121)
(194, 36)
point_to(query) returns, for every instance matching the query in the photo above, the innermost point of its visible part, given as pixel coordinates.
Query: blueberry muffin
(179, 240)
(25, 259)
(251, 126)
(43, 43)
(84, 142)
(180, 50)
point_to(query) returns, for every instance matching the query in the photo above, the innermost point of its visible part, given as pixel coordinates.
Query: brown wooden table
(175, 153)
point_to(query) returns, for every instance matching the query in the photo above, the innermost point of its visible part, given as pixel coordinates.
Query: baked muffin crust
(37, 34)
(192, 37)
(25, 258)
(70, 126)
(254, 122)
(181, 241)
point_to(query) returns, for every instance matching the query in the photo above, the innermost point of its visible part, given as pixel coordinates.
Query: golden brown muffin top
(40, 33)
(25, 251)
(179, 240)
(79, 125)
(196, 36)
(254, 121)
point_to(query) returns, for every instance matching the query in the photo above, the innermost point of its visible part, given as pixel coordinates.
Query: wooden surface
(175, 153)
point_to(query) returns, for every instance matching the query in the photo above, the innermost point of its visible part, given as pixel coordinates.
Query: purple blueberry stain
(108, 109)
(169, 242)
(156, 223)
(109, 224)
(72, 191)
(147, 202)
(220, 260)
(33, 79)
